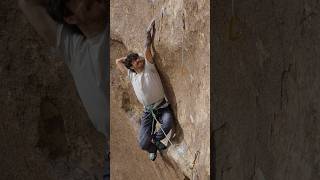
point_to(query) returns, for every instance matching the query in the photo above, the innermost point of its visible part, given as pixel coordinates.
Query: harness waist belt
(156, 105)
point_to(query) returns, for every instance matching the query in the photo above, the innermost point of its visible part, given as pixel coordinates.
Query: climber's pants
(106, 170)
(165, 117)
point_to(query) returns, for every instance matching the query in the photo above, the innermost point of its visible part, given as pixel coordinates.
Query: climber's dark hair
(128, 61)
(57, 9)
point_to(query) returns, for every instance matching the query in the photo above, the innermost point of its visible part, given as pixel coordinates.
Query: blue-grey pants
(165, 117)
(106, 168)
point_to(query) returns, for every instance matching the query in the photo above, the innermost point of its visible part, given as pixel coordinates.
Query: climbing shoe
(160, 146)
(153, 156)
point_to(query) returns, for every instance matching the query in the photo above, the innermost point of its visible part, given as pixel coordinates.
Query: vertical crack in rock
(284, 92)
(183, 22)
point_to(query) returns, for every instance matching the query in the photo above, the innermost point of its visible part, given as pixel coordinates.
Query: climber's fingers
(152, 25)
(153, 28)
(153, 22)
(149, 35)
(153, 32)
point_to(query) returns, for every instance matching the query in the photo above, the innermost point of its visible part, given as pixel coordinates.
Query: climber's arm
(149, 40)
(37, 15)
(120, 65)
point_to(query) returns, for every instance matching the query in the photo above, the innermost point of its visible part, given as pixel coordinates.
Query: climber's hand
(151, 26)
(120, 64)
(151, 30)
(149, 40)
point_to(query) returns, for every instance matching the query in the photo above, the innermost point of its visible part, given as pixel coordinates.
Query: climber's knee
(144, 143)
(167, 119)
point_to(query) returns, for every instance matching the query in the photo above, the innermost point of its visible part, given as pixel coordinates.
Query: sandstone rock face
(183, 58)
(266, 90)
(44, 130)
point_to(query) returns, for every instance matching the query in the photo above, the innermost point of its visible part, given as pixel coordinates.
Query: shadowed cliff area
(266, 90)
(44, 129)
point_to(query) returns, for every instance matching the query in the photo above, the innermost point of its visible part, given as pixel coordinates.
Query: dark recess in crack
(283, 91)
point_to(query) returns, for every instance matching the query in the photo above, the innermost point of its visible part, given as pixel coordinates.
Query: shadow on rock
(52, 131)
(177, 132)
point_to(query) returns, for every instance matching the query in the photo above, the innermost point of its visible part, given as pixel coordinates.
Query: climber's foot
(153, 156)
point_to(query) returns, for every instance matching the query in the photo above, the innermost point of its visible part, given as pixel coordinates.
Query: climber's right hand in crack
(151, 26)
(120, 65)
(37, 15)
(151, 30)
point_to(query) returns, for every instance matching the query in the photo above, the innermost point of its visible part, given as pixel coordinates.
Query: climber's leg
(145, 133)
(106, 169)
(166, 119)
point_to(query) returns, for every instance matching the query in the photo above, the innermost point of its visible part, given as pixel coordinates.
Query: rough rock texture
(182, 57)
(44, 130)
(127, 160)
(266, 90)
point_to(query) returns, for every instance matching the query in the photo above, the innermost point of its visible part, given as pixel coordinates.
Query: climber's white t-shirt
(147, 84)
(87, 61)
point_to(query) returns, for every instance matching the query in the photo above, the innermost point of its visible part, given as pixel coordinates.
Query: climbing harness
(154, 118)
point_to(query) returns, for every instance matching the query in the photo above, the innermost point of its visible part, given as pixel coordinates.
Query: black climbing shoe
(160, 145)
(153, 156)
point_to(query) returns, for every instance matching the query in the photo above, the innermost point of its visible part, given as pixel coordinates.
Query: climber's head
(77, 13)
(134, 62)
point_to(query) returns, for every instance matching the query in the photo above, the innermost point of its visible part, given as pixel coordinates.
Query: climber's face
(85, 12)
(138, 64)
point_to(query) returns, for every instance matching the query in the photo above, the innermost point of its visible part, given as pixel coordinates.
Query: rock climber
(148, 88)
(78, 29)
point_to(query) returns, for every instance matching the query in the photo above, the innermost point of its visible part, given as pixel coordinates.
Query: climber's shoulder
(149, 66)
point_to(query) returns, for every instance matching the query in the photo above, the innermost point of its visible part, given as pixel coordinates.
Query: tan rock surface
(182, 46)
